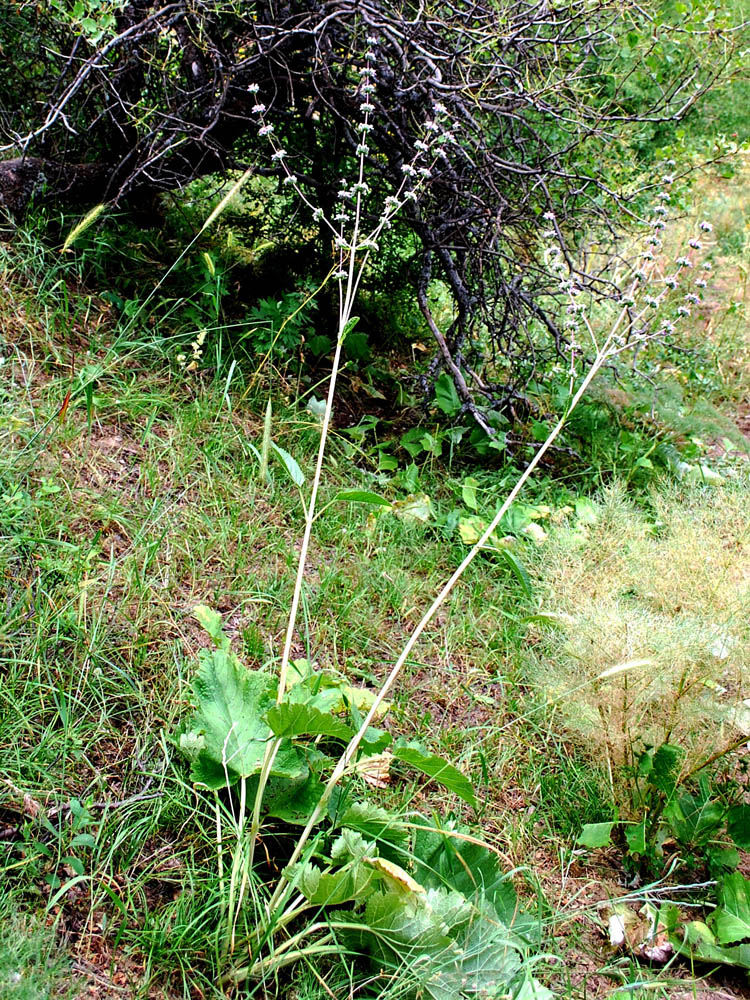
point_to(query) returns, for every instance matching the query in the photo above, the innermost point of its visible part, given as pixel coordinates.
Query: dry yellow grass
(666, 599)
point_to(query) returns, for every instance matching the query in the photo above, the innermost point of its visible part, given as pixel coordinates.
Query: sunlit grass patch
(648, 639)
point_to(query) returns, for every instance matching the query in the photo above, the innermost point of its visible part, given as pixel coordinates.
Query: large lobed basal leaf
(451, 947)
(228, 734)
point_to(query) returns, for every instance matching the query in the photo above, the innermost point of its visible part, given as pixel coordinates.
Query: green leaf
(595, 835)
(373, 822)
(515, 565)
(355, 881)
(290, 464)
(699, 942)
(635, 835)
(440, 770)
(738, 826)
(444, 861)
(731, 920)
(469, 492)
(292, 719)
(445, 942)
(446, 396)
(231, 703)
(362, 496)
(350, 324)
(210, 621)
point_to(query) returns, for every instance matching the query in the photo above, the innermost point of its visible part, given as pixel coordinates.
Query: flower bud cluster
(644, 319)
(352, 196)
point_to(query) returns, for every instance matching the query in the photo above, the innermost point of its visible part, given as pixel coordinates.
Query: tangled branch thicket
(149, 96)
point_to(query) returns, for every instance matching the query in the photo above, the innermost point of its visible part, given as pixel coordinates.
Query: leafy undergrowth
(593, 633)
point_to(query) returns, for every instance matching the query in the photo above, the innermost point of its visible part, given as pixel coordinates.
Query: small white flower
(663, 196)
(692, 298)
(661, 210)
(651, 301)
(366, 107)
(707, 265)
(667, 179)
(701, 282)
(290, 179)
(408, 169)
(628, 300)
(368, 245)
(258, 109)
(659, 225)
(671, 281)
(410, 196)
(705, 227)
(647, 255)
(550, 216)
(368, 72)
(671, 163)
(371, 57)
(365, 127)
(341, 243)
(683, 311)
(371, 40)
(695, 244)
(344, 193)
(367, 88)
(432, 126)
(425, 172)
(421, 146)
(440, 109)
(341, 217)
(317, 214)
(667, 327)
(279, 154)
(640, 275)
(362, 186)
(253, 88)
(339, 275)
(653, 241)
(391, 201)
(362, 150)
(265, 130)
(684, 262)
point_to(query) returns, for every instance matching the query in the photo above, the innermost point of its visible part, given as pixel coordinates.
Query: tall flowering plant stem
(354, 247)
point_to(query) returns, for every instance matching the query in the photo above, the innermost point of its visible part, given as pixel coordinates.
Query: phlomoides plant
(422, 898)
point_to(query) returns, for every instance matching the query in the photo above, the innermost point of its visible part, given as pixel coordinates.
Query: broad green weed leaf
(231, 702)
(440, 770)
(446, 396)
(298, 719)
(635, 835)
(595, 835)
(731, 920)
(290, 464)
(699, 942)
(738, 826)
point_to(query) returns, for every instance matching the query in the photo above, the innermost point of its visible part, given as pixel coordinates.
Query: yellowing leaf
(395, 874)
